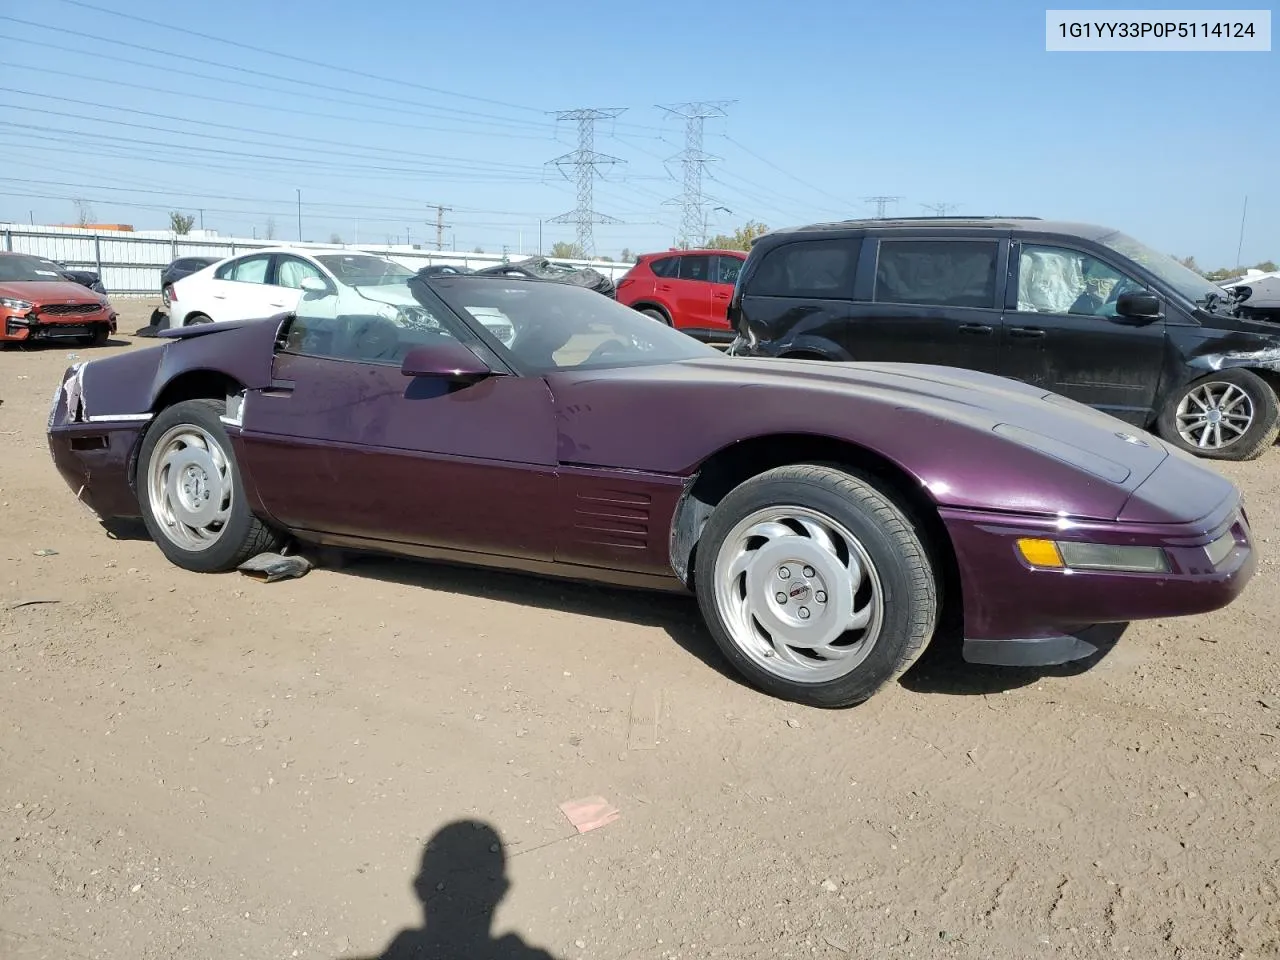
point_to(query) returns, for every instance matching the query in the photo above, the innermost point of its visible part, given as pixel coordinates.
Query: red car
(686, 289)
(36, 303)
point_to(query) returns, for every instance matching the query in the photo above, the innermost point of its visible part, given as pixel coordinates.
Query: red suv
(686, 289)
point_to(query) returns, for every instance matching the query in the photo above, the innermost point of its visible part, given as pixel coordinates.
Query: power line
(693, 204)
(787, 173)
(938, 209)
(277, 55)
(586, 163)
(292, 110)
(373, 152)
(882, 203)
(420, 170)
(309, 84)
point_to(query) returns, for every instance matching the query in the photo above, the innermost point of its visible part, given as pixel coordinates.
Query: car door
(691, 297)
(929, 300)
(1061, 331)
(343, 443)
(241, 289)
(725, 272)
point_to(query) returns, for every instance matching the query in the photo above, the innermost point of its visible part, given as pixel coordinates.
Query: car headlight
(1073, 555)
(14, 304)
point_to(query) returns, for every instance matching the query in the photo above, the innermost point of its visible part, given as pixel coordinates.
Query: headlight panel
(12, 303)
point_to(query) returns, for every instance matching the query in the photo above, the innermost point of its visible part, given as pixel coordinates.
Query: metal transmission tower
(882, 203)
(938, 209)
(586, 162)
(693, 203)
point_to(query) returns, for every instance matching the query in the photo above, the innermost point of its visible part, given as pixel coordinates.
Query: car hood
(51, 291)
(974, 440)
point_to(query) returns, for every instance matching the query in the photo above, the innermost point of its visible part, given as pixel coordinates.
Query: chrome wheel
(798, 594)
(190, 487)
(1214, 415)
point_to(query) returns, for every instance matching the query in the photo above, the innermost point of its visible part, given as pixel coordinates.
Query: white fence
(130, 263)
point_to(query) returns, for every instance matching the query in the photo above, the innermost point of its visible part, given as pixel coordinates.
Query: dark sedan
(827, 516)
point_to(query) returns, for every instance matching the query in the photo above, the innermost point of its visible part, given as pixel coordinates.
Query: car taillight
(624, 281)
(169, 292)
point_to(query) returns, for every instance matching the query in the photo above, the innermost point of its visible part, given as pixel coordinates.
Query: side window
(1059, 280)
(329, 327)
(812, 269)
(696, 267)
(667, 267)
(291, 271)
(246, 269)
(727, 269)
(953, 273)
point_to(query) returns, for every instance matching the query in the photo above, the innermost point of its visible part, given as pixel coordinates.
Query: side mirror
(445, 361)
(1141, 307)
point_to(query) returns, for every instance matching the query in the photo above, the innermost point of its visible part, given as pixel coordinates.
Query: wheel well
(1272, 377)
(196, 385)
(732, 466)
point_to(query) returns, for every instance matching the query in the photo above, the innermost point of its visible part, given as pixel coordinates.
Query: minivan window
(1060, 280)
(817, 269)
(953, 273)
(1183, 279)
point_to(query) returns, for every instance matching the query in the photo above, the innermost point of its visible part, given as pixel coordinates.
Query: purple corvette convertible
(827, 516)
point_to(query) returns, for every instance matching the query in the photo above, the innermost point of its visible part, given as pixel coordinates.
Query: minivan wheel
(1229, 415)
(815, 585)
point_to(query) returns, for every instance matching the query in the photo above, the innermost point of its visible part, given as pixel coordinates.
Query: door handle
(1027, 333)
(219, 296)
(981, 329)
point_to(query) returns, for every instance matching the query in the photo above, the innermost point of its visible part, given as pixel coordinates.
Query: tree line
(1226, 273)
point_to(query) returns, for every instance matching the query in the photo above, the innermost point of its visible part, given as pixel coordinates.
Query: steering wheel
(603, 350)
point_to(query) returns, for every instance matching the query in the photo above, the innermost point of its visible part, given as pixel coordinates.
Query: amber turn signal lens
(1040, 553)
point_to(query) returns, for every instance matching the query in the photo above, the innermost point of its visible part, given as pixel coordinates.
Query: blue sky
(833, 102)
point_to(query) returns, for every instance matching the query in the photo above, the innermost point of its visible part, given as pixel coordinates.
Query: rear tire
(196, 318)
(657, 315)
(1229, 415)
(815, 585)
(191, 493)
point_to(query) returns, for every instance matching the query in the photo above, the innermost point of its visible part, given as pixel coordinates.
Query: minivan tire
(1232, 394)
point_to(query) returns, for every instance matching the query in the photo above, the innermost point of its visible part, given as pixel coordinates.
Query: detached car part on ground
(1079, 309)
(829, 517)
(37, 303)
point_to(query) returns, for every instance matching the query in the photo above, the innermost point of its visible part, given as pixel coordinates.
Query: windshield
(1182, 279)
(17, 268)
(361, 270)
(558, 326)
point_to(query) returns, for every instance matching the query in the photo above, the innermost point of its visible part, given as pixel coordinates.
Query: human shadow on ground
(460, 882)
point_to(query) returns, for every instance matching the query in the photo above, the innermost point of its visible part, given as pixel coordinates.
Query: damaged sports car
(828, 516)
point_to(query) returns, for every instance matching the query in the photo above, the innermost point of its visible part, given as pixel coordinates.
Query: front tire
(192, 497)
(1229, 415)
(815, 585)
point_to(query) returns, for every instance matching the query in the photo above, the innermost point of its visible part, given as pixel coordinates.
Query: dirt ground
(210, 767)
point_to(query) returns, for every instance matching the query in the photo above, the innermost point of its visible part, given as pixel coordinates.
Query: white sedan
(283, 280)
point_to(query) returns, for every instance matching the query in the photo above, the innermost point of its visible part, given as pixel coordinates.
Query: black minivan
(1083, 311)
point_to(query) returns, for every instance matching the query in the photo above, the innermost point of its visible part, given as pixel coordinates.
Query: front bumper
(1019, 615)
(34, 326)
